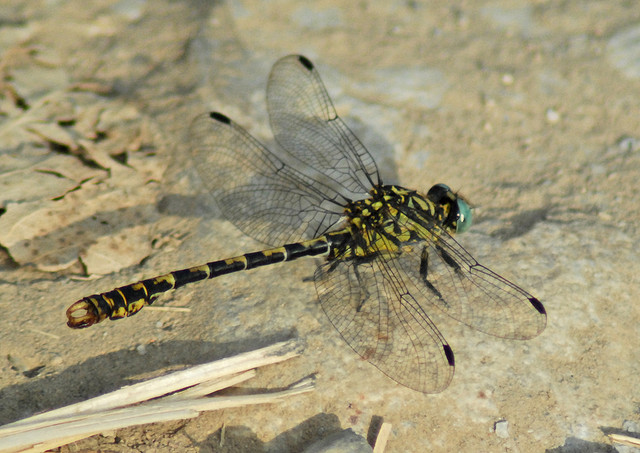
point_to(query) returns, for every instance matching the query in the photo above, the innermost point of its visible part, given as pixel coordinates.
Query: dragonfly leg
(424, 273)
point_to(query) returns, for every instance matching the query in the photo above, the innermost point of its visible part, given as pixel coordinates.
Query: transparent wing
(305, 124)
(375, 313)
(264, 197)
(451, 280)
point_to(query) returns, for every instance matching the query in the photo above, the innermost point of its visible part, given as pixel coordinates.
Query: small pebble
(552, 116)
(502, 429)
(628, 144)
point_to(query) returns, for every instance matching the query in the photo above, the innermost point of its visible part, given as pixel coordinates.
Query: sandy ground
(530, 109)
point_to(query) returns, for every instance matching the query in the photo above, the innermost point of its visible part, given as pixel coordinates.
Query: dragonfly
(390, 261)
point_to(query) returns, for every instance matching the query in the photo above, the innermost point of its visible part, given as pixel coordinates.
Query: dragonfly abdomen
(128, 300)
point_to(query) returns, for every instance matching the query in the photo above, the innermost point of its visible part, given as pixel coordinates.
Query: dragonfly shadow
(575, 445)
(189, 206)
(380, 148)
(58, 247)
(242, 439)
(521, 223)
(108, 372)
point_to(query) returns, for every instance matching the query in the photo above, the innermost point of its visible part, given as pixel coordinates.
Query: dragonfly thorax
(381, 206)
(392, 217)
(386, 221)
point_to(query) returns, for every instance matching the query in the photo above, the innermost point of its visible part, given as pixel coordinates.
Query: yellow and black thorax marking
(390, 217)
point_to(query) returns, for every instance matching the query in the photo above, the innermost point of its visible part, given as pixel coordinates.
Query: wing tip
(448, 352)
(306, 62)
(537, 305)
(217, 116)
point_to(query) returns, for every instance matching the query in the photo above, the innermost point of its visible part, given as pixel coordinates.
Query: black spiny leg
(447, 259)
(424, 271)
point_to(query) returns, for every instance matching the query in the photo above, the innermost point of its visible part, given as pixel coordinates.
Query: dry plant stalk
(174, 396)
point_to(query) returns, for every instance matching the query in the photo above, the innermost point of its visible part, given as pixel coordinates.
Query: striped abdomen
(128, 300)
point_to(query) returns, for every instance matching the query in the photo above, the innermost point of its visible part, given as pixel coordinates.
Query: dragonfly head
(457, 211)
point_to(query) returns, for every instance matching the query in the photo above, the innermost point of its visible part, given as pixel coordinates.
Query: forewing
(305, 124)
(378, 317)
(468, 291)
(264, 197)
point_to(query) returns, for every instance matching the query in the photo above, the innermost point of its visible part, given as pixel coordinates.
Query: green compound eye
(460, 211)
(464, 216)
